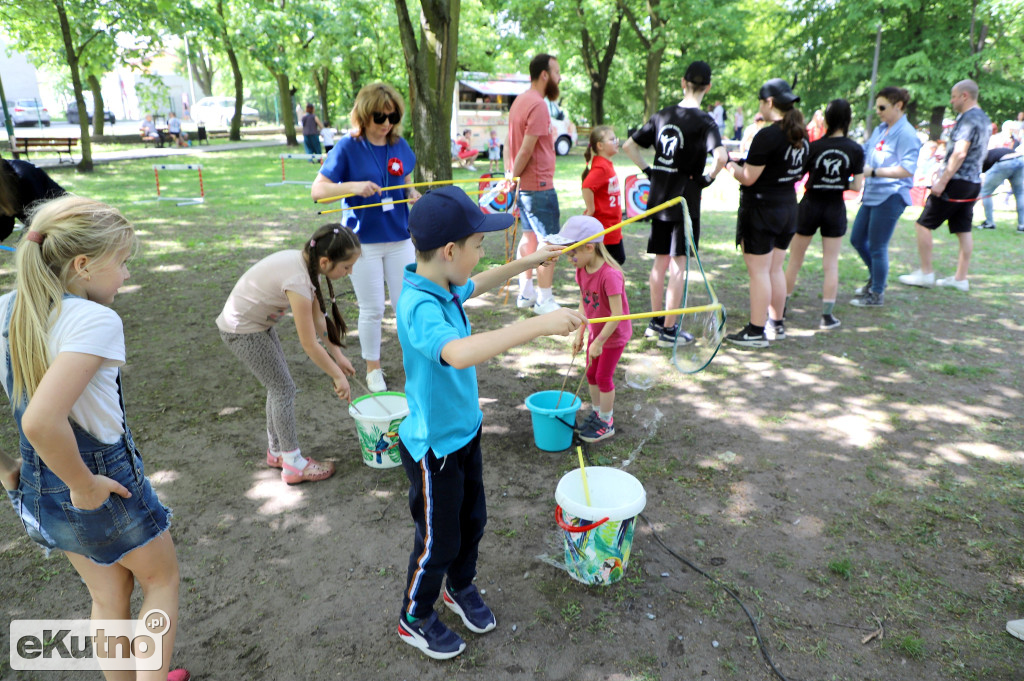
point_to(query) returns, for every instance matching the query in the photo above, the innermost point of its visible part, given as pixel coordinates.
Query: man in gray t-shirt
(955, 191)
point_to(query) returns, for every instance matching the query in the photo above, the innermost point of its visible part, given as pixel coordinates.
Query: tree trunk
(597, 65)
(597, 102)
(935, 123)
(652, 90)
(288, 115)
(654, 45)
(236, 120)
(97, 106)
(85, 164)
(202, 70)
(322, 79)
(431, 65)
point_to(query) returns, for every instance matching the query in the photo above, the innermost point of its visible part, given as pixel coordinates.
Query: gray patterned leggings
(262, 354)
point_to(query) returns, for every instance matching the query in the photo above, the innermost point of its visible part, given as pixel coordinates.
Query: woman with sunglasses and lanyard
(890, 159)
(371, 158)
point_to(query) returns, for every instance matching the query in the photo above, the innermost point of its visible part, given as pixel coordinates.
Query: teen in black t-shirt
(833, 160)
(767, 215)
(682, 137)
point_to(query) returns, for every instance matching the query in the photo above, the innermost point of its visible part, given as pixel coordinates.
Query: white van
(481, 103)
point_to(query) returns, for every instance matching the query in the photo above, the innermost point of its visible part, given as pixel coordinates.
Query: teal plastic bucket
(549, 433)
(597, 533)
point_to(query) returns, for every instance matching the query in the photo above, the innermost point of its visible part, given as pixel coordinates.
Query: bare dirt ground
(837, 481)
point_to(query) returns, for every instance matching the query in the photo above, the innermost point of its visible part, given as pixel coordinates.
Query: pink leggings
(601, 370)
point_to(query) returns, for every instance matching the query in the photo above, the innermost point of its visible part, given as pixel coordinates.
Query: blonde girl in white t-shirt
(283, 281)
(81, 487)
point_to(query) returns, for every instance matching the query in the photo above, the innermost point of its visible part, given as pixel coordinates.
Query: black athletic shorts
(765, 222)
(671, 233)
(959, 211)
(829, 214)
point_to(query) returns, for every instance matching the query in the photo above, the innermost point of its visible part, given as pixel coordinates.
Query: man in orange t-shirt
(531, 158)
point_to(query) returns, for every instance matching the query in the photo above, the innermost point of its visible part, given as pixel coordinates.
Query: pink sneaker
(273, 461)
(313, 472)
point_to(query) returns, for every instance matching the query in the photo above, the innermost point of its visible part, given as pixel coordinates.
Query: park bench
(62, 145)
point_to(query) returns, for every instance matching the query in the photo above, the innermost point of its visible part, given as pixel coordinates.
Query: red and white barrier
(310, 158)
(182, 201)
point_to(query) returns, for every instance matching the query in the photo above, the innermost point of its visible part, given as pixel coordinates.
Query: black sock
(660, 321)
(755, 329)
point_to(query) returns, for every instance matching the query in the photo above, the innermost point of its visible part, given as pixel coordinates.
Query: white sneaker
(953, 282)
(918, 278)
(523, 302)
(375, 381)
(549, 305)
(1015, 628)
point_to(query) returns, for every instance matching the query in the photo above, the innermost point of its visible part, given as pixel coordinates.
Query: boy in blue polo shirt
(440, 439)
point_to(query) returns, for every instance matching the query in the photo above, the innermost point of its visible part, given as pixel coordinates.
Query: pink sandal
(313, 472)
(273, 461)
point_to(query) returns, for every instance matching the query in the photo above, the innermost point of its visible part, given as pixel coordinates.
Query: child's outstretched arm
(480, 347)
(496, 276)
(303, 310)
(46, 426)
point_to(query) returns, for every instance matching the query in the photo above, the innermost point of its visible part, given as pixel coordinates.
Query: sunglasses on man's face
(882, 107)
(393, 118)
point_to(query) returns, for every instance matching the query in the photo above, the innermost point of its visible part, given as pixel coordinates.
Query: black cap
(446, 215)
(779, 90)
(698, 73)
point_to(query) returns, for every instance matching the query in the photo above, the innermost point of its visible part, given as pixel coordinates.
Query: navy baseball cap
(447, 214)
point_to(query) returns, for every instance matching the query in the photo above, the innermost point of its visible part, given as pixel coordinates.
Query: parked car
(72, 113)
(26, 112)
(218, 111)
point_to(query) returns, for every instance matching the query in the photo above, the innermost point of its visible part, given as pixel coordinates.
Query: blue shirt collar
(421, 283)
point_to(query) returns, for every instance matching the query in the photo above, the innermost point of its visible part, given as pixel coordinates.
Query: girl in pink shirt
(602, 294)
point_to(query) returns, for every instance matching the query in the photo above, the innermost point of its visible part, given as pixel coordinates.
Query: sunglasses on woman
(393, 118)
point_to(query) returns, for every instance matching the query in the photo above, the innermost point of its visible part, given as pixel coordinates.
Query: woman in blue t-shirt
(365, 163)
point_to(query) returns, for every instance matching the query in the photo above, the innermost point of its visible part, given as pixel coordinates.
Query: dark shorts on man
(765, 222)
(958, 210)
(828, 214)
(539, 212)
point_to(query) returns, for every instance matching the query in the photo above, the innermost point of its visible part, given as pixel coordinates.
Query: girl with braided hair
(283, 281)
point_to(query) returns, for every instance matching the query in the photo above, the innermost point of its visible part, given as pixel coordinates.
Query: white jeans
(379, 263)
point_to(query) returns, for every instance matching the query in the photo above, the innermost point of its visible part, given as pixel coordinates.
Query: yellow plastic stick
(657, 313)
(331, 199)
(583, 474)
(374, 205)
(641, 216)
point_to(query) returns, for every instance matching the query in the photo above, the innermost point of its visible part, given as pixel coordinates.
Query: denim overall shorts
(43, 502)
